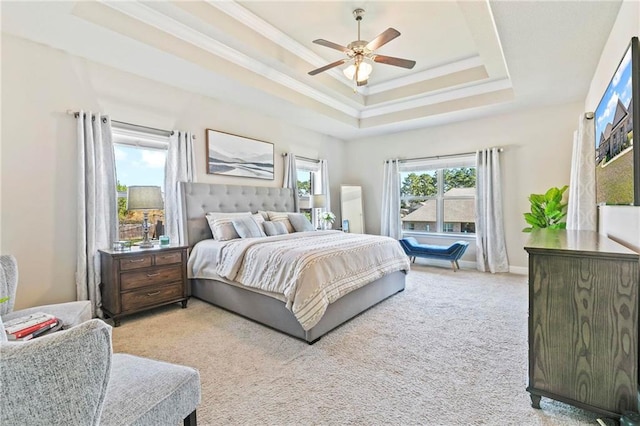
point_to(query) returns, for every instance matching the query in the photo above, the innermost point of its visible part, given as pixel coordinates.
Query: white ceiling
(473, 58)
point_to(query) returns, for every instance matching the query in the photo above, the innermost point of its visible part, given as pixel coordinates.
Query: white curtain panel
(491, 249)
(180, 167)
(291, 178)
(582, 210)
(390, 215)
(97, 205)
(324, 172)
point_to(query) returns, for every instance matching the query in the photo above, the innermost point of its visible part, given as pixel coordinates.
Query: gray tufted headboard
(200, 198)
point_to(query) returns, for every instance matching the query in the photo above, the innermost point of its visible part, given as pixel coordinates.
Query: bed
(264, 306)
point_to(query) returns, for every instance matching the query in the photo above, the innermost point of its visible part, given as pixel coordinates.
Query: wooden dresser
(140, 279)
(583, 321)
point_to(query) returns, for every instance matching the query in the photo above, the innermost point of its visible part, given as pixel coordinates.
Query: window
(309, 183)
(140, 160)
(438, 195)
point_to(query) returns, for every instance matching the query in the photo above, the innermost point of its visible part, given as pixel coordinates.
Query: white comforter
(310, 269)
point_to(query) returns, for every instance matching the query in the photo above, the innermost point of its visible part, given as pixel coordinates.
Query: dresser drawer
(168, 258)
(157, 276)
(137, 299)
(135, 262)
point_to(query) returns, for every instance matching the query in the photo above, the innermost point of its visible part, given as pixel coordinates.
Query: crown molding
(257, 24)
(177, 29)
(492, 86)
(169, 25)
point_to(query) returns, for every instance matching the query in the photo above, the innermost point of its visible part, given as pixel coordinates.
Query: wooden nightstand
(141, 279)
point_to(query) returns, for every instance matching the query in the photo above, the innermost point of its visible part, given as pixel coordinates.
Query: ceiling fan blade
(382, 39)
(398, 62)
(331, 45)
(327, 67)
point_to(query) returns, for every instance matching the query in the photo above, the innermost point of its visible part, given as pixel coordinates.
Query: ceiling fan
(360, 52)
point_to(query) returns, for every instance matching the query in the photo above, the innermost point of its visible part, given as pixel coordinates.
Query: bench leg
(413, 259)
(453, 265)
(457, 264)
(191, 420)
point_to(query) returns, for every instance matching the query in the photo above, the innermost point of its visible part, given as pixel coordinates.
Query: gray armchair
(70, 313)
(72, 378)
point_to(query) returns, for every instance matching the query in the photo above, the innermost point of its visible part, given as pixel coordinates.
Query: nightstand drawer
(135, 262)
(151, 296)
(155, 276)
(168, 258)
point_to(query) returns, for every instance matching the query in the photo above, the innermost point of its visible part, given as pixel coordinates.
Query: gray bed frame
(200, 198)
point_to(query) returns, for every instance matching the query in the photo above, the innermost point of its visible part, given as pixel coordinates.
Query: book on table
(30, 326)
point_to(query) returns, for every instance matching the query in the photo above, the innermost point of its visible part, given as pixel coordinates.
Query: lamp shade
(319, 201)
(363, 71)
(144, 198)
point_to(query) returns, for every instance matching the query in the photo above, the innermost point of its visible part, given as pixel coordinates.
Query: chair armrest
(70, 313)
(60, 378)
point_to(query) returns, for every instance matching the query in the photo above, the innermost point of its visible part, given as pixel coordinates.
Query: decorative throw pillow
(274, 228)
(282, 217)
(264, 214)
(259, 218)
(222, 226)
(300, 222)
(247, 227)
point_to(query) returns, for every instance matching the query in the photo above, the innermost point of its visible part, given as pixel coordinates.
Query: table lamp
(319, 202)
(144, 198)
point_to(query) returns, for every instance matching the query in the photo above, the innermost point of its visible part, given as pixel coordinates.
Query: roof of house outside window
(456, 210)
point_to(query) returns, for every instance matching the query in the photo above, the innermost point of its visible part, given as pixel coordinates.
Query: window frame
(437, 165)
(122, 136)
(315, 184)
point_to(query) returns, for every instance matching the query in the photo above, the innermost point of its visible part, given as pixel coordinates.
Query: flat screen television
(617, 145)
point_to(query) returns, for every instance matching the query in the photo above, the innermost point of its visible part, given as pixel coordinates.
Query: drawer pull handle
(137, 260)
(153, 275)
(155, 293)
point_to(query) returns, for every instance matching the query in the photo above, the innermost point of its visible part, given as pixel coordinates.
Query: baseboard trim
(520, 270)
(466, 264)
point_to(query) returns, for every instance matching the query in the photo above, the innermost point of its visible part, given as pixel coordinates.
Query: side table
(139, 279)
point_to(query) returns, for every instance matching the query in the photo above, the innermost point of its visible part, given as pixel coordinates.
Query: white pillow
(282, 217)
(247, 227)
(222, 226)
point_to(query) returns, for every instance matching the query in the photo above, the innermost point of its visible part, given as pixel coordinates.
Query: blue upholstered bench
(451, 253)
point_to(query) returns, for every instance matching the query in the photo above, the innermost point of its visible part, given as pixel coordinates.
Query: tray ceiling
(473, 58)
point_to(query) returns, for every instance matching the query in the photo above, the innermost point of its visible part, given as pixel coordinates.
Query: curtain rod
(314, 160)
(437, 157)
(133, 126)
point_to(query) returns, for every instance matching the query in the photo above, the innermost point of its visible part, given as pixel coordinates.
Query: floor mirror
(351, 209)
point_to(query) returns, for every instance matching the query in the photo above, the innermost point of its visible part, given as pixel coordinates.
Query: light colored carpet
(449, 350)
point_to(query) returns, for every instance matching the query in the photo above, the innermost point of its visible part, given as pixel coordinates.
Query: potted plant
(547, 210)
(327, 219)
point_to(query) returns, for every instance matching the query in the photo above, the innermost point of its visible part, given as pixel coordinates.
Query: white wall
(622, 223)
(38, 151)
(537, 155)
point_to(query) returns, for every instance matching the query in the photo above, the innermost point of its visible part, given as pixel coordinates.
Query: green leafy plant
(547, 210)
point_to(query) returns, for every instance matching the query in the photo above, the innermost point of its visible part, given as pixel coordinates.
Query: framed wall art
(234, 155)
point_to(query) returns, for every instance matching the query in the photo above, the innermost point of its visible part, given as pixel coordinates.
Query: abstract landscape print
(234, 155)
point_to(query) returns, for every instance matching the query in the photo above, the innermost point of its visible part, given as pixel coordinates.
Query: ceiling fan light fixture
(363, 72)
